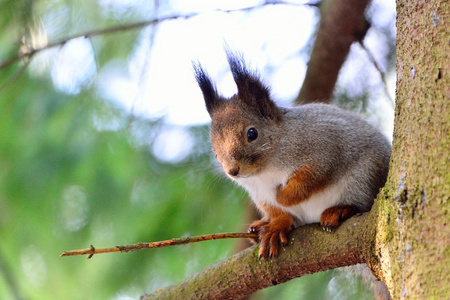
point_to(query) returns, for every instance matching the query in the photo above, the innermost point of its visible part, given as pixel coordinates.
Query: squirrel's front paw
(332, 217)
(256, 227)
(271, 235)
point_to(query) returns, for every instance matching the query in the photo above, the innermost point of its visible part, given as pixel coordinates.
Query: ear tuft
(250, 88)
(247, 81)
(212, 99)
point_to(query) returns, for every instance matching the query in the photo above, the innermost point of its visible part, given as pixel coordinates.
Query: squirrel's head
(243, 128)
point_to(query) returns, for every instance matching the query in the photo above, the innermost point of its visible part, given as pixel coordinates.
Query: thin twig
(177, 241)
(144, 67)
(382, 75)
(89, 34)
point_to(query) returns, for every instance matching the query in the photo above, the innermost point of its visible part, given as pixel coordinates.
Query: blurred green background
(78, 169)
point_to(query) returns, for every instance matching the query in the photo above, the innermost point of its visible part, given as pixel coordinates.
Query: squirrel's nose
(234, 171)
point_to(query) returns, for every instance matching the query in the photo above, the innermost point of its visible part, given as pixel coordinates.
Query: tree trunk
(413, 236)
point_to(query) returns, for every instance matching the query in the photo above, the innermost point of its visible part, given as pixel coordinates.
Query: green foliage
(65, 185)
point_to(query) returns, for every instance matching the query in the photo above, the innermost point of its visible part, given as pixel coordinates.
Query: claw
(262, 252)
(284, 238)
(332, 217)
(252, 230)
(271, 234)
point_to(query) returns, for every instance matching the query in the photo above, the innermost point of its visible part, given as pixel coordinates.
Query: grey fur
(337, 143)
(340, 144)
(343, 151)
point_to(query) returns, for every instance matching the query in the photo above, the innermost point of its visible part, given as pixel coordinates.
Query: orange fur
(272, 229)
(302, 184)
(332, 217)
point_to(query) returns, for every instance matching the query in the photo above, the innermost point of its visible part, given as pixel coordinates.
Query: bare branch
(377, 67)
(89, 34)
(173, 242)
(341, 23)
(120, 28)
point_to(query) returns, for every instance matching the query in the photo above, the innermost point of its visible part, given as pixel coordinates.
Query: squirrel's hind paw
(333, 217)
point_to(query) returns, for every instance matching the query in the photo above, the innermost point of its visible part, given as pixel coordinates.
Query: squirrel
(307, 164)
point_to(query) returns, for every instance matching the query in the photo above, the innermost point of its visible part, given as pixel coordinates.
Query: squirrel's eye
(252, 134)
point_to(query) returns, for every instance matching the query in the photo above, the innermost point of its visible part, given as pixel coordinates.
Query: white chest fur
(262, 189)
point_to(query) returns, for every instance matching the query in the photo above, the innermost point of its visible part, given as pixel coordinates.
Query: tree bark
(414, 235)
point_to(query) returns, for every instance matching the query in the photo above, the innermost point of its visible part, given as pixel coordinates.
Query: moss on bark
(413, 208)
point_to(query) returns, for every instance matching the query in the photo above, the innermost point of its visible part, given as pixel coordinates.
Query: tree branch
(310, 250)
(28, 53)
(341, 23)
(173, 242)
(114, 29)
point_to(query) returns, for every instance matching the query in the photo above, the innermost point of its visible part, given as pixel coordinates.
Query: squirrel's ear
(212, 99)
(250, 88)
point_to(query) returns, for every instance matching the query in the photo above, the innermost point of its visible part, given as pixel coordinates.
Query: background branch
(342, 22)
(28, 53)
